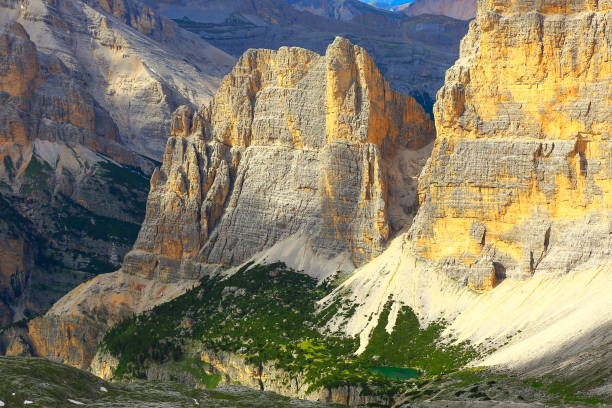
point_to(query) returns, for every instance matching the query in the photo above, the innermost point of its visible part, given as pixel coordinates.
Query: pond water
(395, 373)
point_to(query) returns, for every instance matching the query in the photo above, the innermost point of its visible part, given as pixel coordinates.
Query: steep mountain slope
(310, 158)
(51, 385)
(60, 154)
(320, 129)
(141, 76)
(500, 266)
(460, 9)
(515, 200)
(303, 159)
(412, 52)
(84, 97)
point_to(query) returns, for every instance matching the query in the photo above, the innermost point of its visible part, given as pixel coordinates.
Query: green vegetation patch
(76, 220)
(36, 176)
(131, 178)
(267, 313)
(411, 346)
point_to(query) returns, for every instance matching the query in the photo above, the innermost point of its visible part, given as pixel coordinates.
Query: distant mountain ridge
(459, 9)
(412, 52)
(387, 4)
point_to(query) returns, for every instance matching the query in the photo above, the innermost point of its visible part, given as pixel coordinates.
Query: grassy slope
(268, 313)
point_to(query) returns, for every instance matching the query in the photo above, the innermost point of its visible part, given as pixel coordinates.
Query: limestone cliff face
(137, 65)
(41, 100)
(413, 53)
(54, 138)
(512, 243)
(86, 90)
(71, 330)
(293, 144)
(311, 159)
(520, 180)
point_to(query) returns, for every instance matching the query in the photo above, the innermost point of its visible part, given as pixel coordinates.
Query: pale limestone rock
(460, 9)
(139, 77)
(412, 52)
(293, 143)
(523, 149)
(52, 136)
(86, 88)
(512, 239)
(71, 330)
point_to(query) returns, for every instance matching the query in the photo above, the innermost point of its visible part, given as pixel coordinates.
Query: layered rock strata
(520, 179)
(412, 52)
(136, 64)
(512, 243)
(86, 89)
(298, 154)
(56, 145)
(460, 9)
(293, 144)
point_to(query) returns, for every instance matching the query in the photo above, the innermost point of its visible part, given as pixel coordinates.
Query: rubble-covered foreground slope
(51, 385)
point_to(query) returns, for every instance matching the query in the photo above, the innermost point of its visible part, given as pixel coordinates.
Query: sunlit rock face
(520, 180)
(300, 154)
(293, 144)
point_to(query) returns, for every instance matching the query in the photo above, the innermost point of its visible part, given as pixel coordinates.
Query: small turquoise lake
(395, 373)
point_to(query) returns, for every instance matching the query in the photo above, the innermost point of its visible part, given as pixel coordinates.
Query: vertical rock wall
(520, 180)
(292, 144)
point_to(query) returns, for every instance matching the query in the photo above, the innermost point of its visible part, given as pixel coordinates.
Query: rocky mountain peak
(543, 6)
(19, 61)
(312, 134)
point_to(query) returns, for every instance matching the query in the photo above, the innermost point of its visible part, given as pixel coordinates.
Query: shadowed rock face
(520, 180)
(86, 89)
(292, 144)
(54, 140)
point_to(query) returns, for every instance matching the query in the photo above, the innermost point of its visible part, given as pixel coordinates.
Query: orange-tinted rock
(521, 173)
(292, 143)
